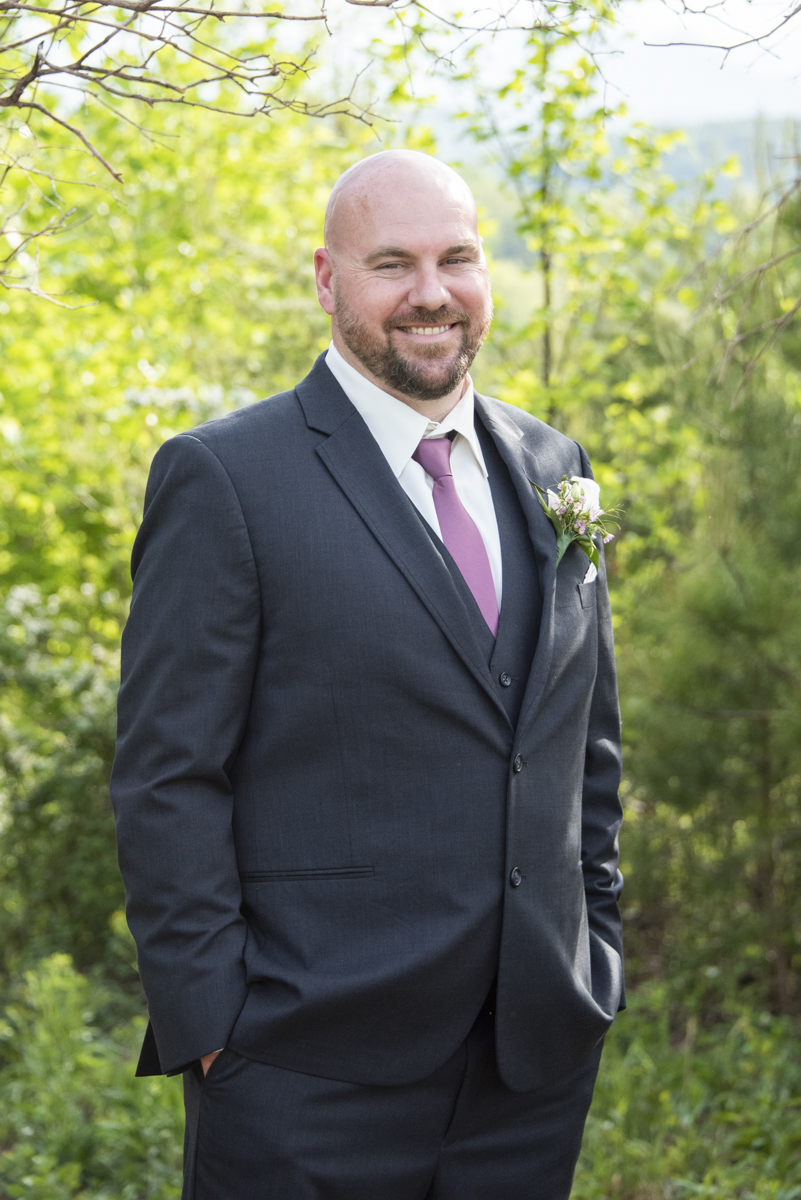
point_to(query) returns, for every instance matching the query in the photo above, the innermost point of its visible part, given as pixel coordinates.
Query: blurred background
(160, 198)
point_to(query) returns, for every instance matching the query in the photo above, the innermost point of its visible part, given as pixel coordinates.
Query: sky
(664, 85)
(671, 85)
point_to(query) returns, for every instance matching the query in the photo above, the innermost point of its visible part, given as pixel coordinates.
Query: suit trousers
(258, 1132)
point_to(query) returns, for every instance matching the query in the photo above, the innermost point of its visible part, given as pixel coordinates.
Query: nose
(428, 290)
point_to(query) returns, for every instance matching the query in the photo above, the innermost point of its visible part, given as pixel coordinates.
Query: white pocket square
(592, 574)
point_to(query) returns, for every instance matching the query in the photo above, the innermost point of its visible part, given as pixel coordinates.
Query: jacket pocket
(307, 873)
(588, 593)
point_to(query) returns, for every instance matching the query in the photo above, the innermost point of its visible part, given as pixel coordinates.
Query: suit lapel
(354, 459)
(525, 465)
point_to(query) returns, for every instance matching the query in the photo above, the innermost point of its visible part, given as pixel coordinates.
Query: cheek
(373, 301)
(474, 295)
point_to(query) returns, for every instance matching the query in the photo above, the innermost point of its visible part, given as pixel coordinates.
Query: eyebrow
(400, 252)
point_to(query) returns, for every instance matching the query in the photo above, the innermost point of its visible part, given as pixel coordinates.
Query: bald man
(369, 752)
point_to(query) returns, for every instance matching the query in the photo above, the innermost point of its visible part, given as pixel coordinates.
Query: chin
(433, 369)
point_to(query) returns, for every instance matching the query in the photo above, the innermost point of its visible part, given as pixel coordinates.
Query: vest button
(506, 679)
(515, 878)
(517, 764)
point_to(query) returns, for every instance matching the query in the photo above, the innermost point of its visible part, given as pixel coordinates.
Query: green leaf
(562, 543)
(591, 550)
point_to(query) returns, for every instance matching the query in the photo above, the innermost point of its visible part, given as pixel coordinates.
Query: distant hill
(763, 148)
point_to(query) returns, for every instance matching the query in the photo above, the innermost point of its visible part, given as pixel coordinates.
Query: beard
(415, 379)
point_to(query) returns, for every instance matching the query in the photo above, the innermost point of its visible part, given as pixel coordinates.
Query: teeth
(428, 330)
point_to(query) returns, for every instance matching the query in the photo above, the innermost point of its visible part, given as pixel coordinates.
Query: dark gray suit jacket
(320, 799)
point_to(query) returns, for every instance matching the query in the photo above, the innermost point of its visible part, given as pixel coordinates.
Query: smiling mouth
(426, 330)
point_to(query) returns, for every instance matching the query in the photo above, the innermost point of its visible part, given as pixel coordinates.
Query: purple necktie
(459, 531)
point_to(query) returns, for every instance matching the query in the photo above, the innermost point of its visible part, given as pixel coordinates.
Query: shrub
(74, 1121)
(694, 1112)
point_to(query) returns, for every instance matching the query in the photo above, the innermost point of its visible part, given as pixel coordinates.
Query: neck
(435, 410)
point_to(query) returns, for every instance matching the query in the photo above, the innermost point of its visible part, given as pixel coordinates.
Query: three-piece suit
(347, 815)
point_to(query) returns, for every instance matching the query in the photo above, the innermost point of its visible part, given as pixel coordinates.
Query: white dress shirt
(398, 429)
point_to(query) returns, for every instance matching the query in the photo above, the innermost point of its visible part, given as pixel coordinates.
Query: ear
(323, 275)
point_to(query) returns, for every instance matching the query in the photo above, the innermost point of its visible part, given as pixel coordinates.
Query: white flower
(574, 510)
(589, 492)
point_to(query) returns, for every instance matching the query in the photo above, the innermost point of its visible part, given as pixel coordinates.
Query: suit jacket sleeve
(188, 658)
(601, 809)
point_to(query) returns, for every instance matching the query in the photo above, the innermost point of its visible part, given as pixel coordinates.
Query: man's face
(409, 285)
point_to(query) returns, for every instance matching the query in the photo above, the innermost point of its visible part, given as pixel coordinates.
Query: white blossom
(589, 492)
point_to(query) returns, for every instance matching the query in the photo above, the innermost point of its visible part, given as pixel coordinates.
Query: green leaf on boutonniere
(591, 550)
(563, 541)
(574, 511)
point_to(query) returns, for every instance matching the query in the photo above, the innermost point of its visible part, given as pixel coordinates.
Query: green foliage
(199, 279)
(594, 337)
(712, 1112)
(57, 863)
(74, 1122)
(711, 663)
(598, 219)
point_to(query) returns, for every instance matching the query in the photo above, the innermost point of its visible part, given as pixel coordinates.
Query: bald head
(395, 181)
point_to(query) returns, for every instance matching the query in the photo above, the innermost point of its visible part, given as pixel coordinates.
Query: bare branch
(121, 54)
(759, 270)
(728, 48)
(73, 129)
(221, 14)
(31, 283)
(779, 325)
(723, 288)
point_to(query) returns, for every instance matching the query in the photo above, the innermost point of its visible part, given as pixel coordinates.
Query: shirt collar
(397, 428)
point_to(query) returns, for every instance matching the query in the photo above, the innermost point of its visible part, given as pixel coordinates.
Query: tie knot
(434, 456)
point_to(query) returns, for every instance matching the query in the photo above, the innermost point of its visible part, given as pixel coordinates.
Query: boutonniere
(575, 512)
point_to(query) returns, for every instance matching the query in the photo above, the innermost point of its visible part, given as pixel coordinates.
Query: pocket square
(591, 575)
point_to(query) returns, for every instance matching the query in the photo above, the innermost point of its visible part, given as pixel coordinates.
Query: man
(368, 757)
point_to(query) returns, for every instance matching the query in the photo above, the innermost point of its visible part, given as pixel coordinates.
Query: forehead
(413, 217)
